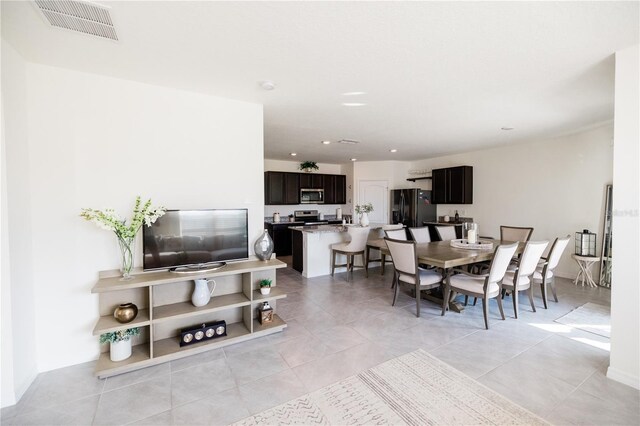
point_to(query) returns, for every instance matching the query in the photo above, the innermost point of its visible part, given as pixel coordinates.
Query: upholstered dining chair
(520, 279)
(485, 286)
(515, 233)
(396, 234)
(544, 275)
(446, 233)
(421, 234)
(351, 249)
(407, 271)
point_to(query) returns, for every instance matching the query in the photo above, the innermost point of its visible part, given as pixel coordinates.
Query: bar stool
(351, 249)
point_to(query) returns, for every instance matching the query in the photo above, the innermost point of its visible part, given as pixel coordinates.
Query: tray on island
(480, 245)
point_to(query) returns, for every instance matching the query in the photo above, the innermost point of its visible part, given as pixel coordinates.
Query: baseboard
(22, 388)
(624, 378)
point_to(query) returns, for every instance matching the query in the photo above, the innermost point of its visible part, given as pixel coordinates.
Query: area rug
(413, 389)
(589, 317)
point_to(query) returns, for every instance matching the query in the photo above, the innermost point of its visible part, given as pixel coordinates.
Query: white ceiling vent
(348, 142)
(79, 15)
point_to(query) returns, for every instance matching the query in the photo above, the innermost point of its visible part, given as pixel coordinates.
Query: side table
(584, 274)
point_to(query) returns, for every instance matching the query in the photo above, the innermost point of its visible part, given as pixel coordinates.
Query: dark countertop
(444, 223)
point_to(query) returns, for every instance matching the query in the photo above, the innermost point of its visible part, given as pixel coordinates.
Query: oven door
(311, 196)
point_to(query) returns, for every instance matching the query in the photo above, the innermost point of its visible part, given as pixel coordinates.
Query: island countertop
(315, 229)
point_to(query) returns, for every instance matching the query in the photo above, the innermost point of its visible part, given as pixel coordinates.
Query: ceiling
(438, 77)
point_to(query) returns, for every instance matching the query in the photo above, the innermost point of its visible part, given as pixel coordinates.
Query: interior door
(375, 192)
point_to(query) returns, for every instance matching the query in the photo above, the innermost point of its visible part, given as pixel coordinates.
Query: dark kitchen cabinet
(281, 188)
(453, 185)
(335, 189)
(311, 181)
(281, 236)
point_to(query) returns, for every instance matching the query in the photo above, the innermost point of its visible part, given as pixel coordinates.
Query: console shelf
(164, 302)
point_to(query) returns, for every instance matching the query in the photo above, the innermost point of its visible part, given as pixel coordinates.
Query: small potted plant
(265, 286)
(309, 166)
(120, 342)
(363, 210)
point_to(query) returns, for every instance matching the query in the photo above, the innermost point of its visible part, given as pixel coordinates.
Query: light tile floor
(336, 329)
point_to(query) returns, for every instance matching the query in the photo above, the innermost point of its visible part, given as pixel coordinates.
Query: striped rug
(413, 389)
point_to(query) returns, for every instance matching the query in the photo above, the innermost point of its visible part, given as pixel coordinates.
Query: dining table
(441, 254)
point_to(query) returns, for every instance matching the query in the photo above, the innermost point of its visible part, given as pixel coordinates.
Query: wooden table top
(442, 255)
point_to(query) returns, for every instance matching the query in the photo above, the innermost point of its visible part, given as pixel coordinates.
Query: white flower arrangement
(107, 219)
(365, 208)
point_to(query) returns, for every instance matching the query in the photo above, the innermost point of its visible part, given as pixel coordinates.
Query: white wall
(98, 142)
(294, 166)
(556, 186)
(625, 294)
(18, 310)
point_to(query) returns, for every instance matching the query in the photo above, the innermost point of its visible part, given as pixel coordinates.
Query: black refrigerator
(412, 207)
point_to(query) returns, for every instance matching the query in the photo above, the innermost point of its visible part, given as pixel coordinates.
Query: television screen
(194, 237)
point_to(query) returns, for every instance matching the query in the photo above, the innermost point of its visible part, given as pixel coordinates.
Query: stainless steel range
(309, 217)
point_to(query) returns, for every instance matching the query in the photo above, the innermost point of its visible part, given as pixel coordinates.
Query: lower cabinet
(281, 236)
(164, 308)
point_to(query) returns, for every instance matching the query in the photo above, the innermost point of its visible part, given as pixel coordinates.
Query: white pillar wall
(624, 365)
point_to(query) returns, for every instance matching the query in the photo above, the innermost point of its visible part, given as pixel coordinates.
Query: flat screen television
(195, 238)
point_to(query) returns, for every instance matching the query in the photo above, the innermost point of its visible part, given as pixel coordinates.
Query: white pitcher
(201, 294)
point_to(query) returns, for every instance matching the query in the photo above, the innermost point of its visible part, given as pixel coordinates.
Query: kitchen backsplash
(286, 210)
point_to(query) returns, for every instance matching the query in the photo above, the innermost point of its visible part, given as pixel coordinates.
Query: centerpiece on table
(309, 166)
(126, 233)
(364, 210)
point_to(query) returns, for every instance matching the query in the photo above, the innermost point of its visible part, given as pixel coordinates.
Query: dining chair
(396, 234)
(515, 233)
(401, 234)
(446, 233)
(520, 279)
(544, 272)
(356, 246)
(407, 271)
(421, 234)
(484, 286)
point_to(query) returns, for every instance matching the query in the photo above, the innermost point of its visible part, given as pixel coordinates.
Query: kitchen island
(312, 247)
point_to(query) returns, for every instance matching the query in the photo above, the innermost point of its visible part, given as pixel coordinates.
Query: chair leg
(543, 290)
(552, 282)
(475, 299)
(396, 290)
(499, 300)
(350, 267)
(418, 300)
(333, 261)
(514, 297)
(466, 300)
(365, 259)
(383, 260)
(530, 292)
(485, 312)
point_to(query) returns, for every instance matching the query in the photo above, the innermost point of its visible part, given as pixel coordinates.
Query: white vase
(265, 290)
(364, 219)
(120, 350)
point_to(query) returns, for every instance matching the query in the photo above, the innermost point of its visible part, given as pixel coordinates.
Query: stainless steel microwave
(311, 196)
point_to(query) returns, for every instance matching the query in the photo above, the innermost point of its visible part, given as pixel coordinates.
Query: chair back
(446, 233)
(396, 234)
(501, 259)
(392, 227)
(515, 233)
(404, 255)
(556, 252)
(421, 234)
(530, 257)
(359, 236)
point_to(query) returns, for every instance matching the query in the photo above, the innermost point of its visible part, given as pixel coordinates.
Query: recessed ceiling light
(267, 85)
(293, 154)
(506, 128)
(353, 159)
(326, 142)
(354, 93)
(393, 150)
(353, 104)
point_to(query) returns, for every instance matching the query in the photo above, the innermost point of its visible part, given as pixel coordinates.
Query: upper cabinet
(281, 188)
(453, 185)
(311, 181)
(335, 189)
(284, 187)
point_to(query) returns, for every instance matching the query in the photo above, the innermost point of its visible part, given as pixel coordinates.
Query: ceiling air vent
(78, 15)
(348, 142)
